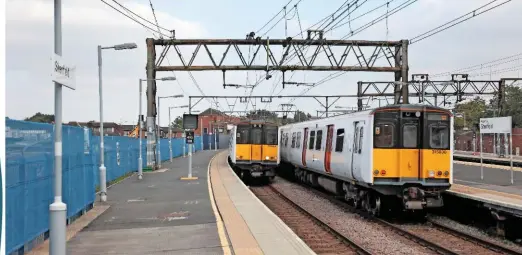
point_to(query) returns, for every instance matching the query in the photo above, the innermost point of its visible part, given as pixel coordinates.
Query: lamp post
(158, 138)
(170, 131)
(103, 170)
(140, 159)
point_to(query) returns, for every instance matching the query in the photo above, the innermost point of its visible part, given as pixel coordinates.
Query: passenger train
(392, 157)
(254, 150)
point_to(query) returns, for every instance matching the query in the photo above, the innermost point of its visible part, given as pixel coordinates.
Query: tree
(511, 106)
(40, 117)
(177, 123)
(301, 116)
(470, 113)
(262, 114)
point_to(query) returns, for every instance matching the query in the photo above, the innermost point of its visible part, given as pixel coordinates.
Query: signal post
(190, 123)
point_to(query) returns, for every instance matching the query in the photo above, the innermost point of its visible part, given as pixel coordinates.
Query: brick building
(109, 128)
(212, 119)
(464, 141)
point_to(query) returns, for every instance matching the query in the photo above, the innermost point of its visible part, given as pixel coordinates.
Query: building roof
(211, 111)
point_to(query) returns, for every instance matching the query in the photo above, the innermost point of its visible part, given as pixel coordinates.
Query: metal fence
(29, 173)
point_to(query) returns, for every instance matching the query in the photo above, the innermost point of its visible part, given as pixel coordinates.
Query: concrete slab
(156, 215)
(494, 178)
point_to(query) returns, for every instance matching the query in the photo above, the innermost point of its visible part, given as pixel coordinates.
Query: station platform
(162, 214)
(494, 191)
(250, 225)
(486, 158)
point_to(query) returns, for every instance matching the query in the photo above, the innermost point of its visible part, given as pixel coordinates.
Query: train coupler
(413, 198)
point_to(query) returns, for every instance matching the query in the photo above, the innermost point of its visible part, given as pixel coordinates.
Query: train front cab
(412, 154)
(257, 148)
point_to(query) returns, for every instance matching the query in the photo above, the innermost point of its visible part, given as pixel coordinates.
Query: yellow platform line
(219, 222)
(189, 178)
(518, 169)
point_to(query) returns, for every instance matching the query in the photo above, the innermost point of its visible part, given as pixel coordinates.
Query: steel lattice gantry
(364, 55)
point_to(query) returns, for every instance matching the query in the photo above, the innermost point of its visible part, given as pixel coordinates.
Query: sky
(87, 24)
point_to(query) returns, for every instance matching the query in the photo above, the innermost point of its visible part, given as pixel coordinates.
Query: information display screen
(190, 121)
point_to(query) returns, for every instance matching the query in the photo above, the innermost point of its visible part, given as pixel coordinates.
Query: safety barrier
(29, 173)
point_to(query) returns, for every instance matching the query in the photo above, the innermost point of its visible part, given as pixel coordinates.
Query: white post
(481, 167)
(511, 153)
(215, 139)
(159, 135)
(201, 131)
(209, 140)
(140, 133)
(184, 144)
(190, 161)
(170, 136)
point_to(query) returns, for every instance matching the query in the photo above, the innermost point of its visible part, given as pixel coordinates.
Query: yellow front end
(270, 153)
(436, 164)
(243, 152)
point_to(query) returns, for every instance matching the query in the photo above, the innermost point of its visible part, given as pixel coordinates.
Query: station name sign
(63, 72)
(495, 125)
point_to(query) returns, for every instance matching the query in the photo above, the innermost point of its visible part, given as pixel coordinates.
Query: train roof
(418, 107)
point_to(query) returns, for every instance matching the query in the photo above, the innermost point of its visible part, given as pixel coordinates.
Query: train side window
(360, 139)
(339, 140)
(384, 135)
(293, 140)
(409, 136)
(356, 140)
(312, 140)
(286, 139)
(439, 136)
(319, 140)
(298, 140)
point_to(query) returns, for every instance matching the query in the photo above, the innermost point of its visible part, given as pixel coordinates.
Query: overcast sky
(86, 24)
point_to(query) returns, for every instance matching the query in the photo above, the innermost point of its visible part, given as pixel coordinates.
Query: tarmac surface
(160, 214)
(494, 178)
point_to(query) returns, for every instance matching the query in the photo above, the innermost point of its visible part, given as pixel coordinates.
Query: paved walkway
(160, 214)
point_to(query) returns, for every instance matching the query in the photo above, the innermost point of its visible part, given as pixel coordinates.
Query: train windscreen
(437, 135)
(271, 135)
(243, 135)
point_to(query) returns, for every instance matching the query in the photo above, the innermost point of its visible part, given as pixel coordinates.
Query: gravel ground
(475, 232)
(372, 236)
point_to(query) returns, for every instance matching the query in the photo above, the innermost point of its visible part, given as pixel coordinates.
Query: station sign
(495, 125)
(190, 121)
(63, 73)
(189, 137)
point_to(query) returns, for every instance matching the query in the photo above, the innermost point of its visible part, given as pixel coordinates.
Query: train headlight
(439, 173)
(431, 173)
(376, 172)
(267, 157)
(383, 172)
(446, 173)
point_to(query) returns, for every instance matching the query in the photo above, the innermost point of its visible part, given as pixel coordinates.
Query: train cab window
(293, 140)
(242, 135)
(384, 135)
(409, 136)
(257, 136)
(319, 140)
(298, 140)
(312, 140)
(271, 135)
(339, 140)
(439, 136)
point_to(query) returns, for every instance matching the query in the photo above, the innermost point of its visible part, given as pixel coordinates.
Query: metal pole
(58, 209)
(140, 133)
(159, 134)
(215, 139)
(209, 140)
(200, 130)
(103, 170)
(511, 154)
(184, 145)
(481, 166)
(170, 136)
(190, 161)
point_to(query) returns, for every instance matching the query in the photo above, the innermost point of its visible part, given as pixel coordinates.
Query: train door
(409, 155)
(304, 147)
(328, 149)
(357, 149)
(257, 142)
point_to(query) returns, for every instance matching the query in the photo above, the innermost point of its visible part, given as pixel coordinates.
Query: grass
(116, 180)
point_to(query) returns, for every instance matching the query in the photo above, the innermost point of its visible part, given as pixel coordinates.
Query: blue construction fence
(208, 140)
(30, 166)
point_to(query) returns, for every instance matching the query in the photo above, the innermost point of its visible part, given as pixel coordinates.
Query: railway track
(436, 237)
(320, 237)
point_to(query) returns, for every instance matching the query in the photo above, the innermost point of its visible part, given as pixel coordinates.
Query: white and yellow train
(254, 150)
(398, 155)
